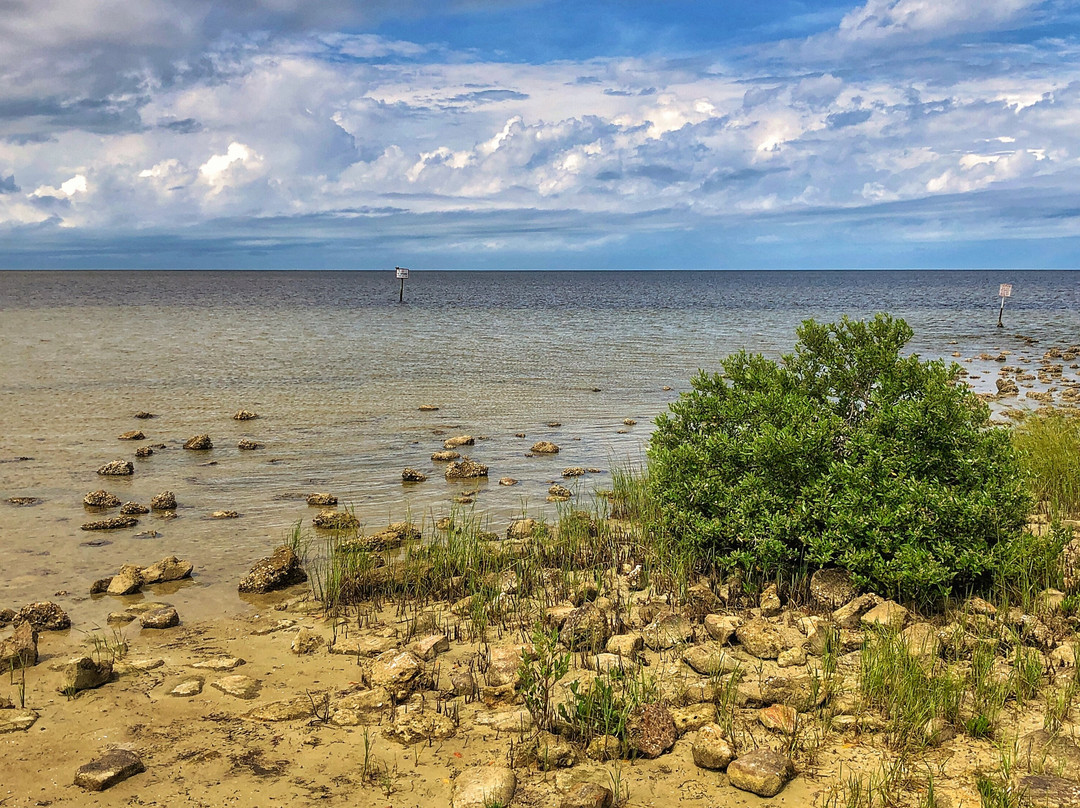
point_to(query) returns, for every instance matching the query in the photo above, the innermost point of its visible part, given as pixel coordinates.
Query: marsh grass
(1048, 444)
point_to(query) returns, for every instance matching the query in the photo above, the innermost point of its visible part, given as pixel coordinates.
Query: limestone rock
(886, 615)
(460, 440)
(544, 447)
(84, 673)
(144, 451)
(507, 481)
(187, 688)
(850, 614)
(165, 501)
(587, 795)
(126, 582)
(796, 690)
(278, 571)
(922, 642)
(21, 649)
(667, 631)
(701, 602)
(586, 629)
(769, 602)
(430, 647)
(1070, 565)
(709, 659)
(465, 469)
(413, 726)
(521, 529)
(411, 475)
(693, 716)
(108, 770)
(831, 588)
(779, 718)
(305, 706)
(245, 415)
(484, 786)
(760, 639)
(16, 720)
(199, 443)
(169, 568)
(113, 523)
(651, 730)
(238, 686)
(322, 500)
(395, 671)
(101, 499)
(1050, 791)
(133, 509)
(762, 772)
(224, 515)
(43, 616)
(160, 618)
(363, 645)
(721, 627)
(445, 456)
(559, 492)
(604, 747)
(711, 749)
(573, 471)
(117, 468)
(628, 646)
(504, 662)
(219, 664)
(248, 445)
(307, 641)
(133, 434)
(553, 752)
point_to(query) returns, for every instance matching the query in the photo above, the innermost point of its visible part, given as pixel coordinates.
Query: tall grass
(1049, 443)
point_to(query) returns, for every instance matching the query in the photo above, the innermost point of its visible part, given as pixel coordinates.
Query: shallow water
(337, 369)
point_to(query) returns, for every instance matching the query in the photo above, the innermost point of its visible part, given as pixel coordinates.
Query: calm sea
(337, 370)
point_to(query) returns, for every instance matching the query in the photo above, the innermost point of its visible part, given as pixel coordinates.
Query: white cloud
(236, 165)
(921, 19)
(67, 189)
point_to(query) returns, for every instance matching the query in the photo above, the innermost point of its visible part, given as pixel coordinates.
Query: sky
(518, 134)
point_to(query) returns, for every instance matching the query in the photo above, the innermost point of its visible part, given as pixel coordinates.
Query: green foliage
(539, 671)
(844, 453)
(1048, 443)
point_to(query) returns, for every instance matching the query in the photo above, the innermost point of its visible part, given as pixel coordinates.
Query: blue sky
(517, 134)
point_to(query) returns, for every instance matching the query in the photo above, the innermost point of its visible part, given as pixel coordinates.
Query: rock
(460, 440)
(44, 616)
(587, 795)
(922, 642)
(20, 650)
(126, 582)
(114, 523)
(430, 647)
(322, 500)
(117, 468)
(119, 618)
(651, 731)
(160, 618)
(165, 501)
(410, 475)
(465, 469)
(199, 443)
(307, 641)
(504, 662)
(101, 499)
(462, 682)
(573, 471)
(1050, 752)
(585, 629)
(395, 671)
(628, 646)
(604, 747)
(133, 509)
(169, 568)
(306, 706)
(721, 627)
(6, 616)
(108, 770)
(553, 752)
(225, 515)
(238, 686)
(507, 481)
(797, 691)
(83, 673)
(559, 492)
(711, 749)
(134, 434)
(245, 415)
(428, 408)
(144, 415)
(831, 588)
(979, 606)
(521, 529)
(886, 615)
(25, 501)
(414, 726)
(792, 657)
(761, 639)
(278, 571)
(219, 664)
(1049, 600)
(12, 720)
(365, 645)
(335, 520)
(248, 445)
(445, 456)
(769, 602)
(701, 602)
(1007, 387)
(710, 659)
(144, 451)
(691, 717)
(667, 631)
(544, 447)
(779, 718)
(850, 614)
(762, 772)
(483, 787)
(1050, 791)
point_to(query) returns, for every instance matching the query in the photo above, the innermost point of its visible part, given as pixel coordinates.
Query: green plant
(844, 453)
(1048, 444)
(539, 672)
(994, 793)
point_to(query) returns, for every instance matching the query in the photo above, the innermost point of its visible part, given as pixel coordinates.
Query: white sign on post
(402, 272)
(1005, 290)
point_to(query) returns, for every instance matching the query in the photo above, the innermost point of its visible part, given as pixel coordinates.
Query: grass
(1048, 443)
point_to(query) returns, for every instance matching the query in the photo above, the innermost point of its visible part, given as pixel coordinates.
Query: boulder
(394, 670)
(850, 614)
(101, 499)
(544, 447)
(248, 445)
(169, 568)
(127, 581)
(769, 601)
(43, 616)
(144, 451)
(165, 501)
(1007, 387)
(651, 730)
(831, 588)
(711, 749)
(886, 615)
(721, 627)
(460, 440)
(504, 663)
(604, 747)
(484, 786)
(445, 456)
(335, 520)
(411, 475)
(132, 434)
(245, 415)
(430, 647)
(321, 500)
(761, 639)
(628, 646)
(465, 469)
(108, 770)
(167, 617)
(84, 673)
(797, 690)
(117, 468)
(278, 571)
(199, 443)
(762, 772)
(587, 795)
(20, 649)
(667, 631)
(586, 629)
(238, 686)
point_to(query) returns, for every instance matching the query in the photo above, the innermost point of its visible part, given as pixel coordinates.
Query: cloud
(67, 189)
(922, 20)
(7, 185)
(238, 164)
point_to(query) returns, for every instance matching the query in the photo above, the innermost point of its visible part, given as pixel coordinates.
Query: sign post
(1004, 291)
(401, 273)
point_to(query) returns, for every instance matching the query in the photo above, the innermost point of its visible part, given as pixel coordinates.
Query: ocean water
(337, 369)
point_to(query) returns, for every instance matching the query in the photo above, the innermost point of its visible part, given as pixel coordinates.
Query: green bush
(844, 453)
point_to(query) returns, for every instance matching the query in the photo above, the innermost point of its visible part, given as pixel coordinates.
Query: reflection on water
(337, 370)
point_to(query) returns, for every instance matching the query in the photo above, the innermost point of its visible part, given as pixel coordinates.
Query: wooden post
(402, 273)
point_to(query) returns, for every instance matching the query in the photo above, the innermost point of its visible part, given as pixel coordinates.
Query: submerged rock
(114, 523)
(134, 434)
(249, 445)
(245, 415)
(321, 500)
(117, 468)
(199, 443)
(465, 469)
(101, 499)
(461, 440)
(544, 447)
(335, 520)
(133, 509)
(411, 475)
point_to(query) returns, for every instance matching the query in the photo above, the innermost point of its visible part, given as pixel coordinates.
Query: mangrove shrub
(845, 453)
